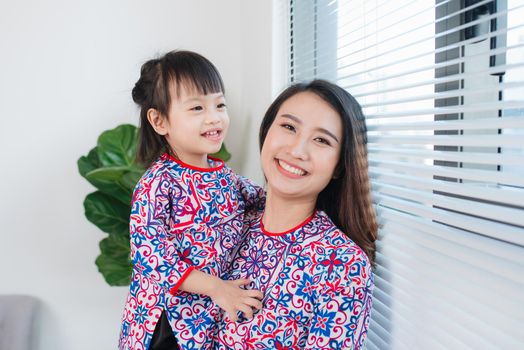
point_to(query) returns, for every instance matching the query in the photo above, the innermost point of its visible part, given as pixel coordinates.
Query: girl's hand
(231, 298)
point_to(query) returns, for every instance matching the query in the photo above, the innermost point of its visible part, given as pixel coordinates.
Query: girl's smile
(214, 135)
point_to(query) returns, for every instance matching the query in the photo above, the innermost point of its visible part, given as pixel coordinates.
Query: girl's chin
(212, 150)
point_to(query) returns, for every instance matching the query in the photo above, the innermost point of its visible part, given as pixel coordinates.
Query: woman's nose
(299, 149)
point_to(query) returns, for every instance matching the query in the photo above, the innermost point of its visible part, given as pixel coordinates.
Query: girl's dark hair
(157, 78)
(347, 197)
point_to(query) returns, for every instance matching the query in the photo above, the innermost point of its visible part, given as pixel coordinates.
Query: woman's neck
(282, 214)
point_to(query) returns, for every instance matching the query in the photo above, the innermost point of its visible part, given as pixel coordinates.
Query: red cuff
(175, 288)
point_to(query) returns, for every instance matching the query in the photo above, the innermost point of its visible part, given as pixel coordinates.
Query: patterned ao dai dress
(317, 286)
(182, 218)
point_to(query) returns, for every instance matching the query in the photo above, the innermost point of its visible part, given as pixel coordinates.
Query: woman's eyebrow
(322, 130)
(329, 133)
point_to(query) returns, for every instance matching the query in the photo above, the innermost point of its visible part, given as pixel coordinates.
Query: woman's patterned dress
(317, 286)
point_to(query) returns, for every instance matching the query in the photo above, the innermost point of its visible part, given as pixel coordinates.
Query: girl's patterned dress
(182, 218)
(317, 286)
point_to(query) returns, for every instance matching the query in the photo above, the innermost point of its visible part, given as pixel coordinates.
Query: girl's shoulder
(160, 168)
(160, 173)
(252, 218)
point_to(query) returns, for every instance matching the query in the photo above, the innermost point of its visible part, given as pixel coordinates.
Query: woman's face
(302, 147)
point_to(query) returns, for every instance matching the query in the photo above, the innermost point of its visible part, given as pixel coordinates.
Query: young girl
(313, 263)
(187, 210)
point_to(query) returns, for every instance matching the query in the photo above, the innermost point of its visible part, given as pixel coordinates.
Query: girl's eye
(288, 127)
(221, 105)
(197, 108)
(323, 141)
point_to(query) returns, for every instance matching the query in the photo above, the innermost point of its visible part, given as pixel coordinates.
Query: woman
(311, 248)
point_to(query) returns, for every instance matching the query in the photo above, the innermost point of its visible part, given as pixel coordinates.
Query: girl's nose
(212, 118)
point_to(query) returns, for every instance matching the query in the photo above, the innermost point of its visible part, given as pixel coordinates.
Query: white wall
(66, 72)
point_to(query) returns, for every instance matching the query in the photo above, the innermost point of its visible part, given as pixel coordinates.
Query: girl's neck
(282, 214)
(198, 161)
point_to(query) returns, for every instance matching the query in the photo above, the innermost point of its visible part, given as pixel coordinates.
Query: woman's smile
(289, 169)
(302, 147)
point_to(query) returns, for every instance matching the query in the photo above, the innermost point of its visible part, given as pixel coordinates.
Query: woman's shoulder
(333, 246)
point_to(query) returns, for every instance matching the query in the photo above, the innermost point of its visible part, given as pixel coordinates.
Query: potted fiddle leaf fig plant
(111, 167)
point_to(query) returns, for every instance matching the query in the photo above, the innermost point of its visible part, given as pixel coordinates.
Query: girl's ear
(157, 121)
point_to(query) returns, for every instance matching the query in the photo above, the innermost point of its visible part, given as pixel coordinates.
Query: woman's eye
(197, 108)
(288, 127)
(323, 141)
(221, 105)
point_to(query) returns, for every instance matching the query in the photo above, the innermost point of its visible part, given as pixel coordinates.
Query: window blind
(442, 86)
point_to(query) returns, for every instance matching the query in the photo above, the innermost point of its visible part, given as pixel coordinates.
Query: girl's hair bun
(143, 91)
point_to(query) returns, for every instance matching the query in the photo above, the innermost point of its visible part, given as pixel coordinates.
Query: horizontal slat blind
(442, 86)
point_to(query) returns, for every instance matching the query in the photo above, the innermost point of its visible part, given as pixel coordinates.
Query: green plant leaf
(114, 262)
(131, 178)
(222, 153)
(113, 181)
(107, 213)
(88, 163)
(117, 147)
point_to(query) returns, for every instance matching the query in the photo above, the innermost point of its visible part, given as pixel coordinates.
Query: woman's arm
(341, 316)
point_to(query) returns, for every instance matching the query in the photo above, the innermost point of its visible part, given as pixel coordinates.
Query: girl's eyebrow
(322, 130)
(198, 98)
(192, 99)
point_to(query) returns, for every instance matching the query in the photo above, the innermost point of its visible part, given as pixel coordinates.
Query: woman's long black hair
(347, 197)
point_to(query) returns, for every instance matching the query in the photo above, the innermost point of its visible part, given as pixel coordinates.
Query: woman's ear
(157, 121)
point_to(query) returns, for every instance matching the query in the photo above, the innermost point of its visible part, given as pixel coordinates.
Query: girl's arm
(229, 295)
(253, 195)
(155, 257)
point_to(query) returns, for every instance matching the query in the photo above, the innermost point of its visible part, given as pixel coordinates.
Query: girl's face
(302, 147)
(196, 125)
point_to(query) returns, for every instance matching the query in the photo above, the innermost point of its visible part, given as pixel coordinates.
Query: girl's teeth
(291, 169)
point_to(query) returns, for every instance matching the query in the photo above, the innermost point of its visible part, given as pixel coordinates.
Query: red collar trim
(303, 223)
(189, 166)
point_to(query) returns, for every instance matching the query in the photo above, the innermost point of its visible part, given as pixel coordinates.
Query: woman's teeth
(291, 169)
(211, 133)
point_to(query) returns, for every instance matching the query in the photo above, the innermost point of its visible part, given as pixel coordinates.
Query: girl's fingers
(253, 293)
(232, 316)
(242, 281)
(246, 310)
(253, 303)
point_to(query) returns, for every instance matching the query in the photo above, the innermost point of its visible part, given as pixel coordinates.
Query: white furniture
(16, 321)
